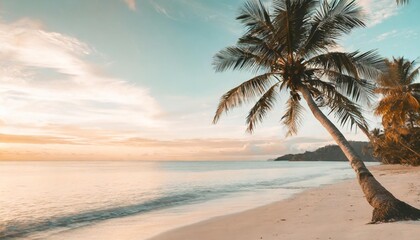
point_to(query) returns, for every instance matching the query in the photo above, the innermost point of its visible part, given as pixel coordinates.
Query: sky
(133, 80)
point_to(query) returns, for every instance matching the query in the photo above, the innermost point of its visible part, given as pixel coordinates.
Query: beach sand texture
(338, 211)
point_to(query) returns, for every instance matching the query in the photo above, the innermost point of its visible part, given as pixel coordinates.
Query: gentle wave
(19, 229)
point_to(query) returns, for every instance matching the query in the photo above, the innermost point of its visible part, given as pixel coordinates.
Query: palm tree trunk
(408, 148)
(386, 206)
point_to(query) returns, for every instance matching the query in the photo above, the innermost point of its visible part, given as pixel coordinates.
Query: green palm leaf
(261, 108)
(358, 65)
(288, 43)
(331, 21)
(256, 18)
(243, 93)
(293, 116)
(291, 21)
(238, 58)
(345, 110)
(356, 89)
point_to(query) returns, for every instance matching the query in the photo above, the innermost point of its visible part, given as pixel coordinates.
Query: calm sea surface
(136, 200)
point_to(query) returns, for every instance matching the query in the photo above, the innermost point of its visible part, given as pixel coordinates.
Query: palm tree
(287, 48)
(401, 94)
(388, 149)
(400, 105)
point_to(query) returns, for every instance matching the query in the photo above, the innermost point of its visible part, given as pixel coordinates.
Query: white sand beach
(337, 211)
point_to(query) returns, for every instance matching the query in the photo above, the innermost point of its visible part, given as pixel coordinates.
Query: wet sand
(338, 211)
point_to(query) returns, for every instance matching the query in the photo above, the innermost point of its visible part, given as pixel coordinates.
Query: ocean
(137, 200)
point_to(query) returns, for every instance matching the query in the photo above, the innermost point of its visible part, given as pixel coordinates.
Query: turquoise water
(62, 200)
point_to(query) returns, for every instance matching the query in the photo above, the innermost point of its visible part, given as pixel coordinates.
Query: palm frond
(401, 2)
(386, 105)
(261, 108)
(358, 65)
(336, 61)
(390, 78)
(413, 75)
(243, 93)
(333, 19)
(355, 88)
(412, 102)
(261, 47)
(414, 87)
(396, 108)
(256, 18)
(237, 58)
(370, 64)
(387, 91)
(400, 94)
(399, 72)
(283, 43)
(292, 118)
(392, 111)
(291, 21)
(345, 110)
(319, 88)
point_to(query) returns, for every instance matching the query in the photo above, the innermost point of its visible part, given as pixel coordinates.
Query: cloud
(12, 138)
(224, 148)
(405, 33)
(131, 4)
(378, 10)
(25, 43)
(51, 95)
(152, 149)
(46, 80)
(159, 8)
(213, 12)
(386, 35)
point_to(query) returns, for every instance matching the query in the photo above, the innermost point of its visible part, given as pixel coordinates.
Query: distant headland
(330, 153)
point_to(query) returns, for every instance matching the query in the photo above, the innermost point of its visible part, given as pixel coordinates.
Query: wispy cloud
(131, 4)
(36, 139)
(411, 34)
(386, 35)
(161, 9)
(213, 12)
(153, 149)
(402, 33)
(378, 10)
(45, 80)
(53, 96)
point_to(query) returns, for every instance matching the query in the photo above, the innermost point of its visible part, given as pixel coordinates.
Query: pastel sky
(132, 80)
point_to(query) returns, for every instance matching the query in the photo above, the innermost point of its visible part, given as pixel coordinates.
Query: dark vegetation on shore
(330, 153)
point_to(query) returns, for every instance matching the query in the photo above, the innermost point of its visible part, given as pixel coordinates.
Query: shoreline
(333, 211)
(244, 186)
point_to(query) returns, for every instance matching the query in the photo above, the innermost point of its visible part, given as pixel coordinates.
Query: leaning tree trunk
(386, 206)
